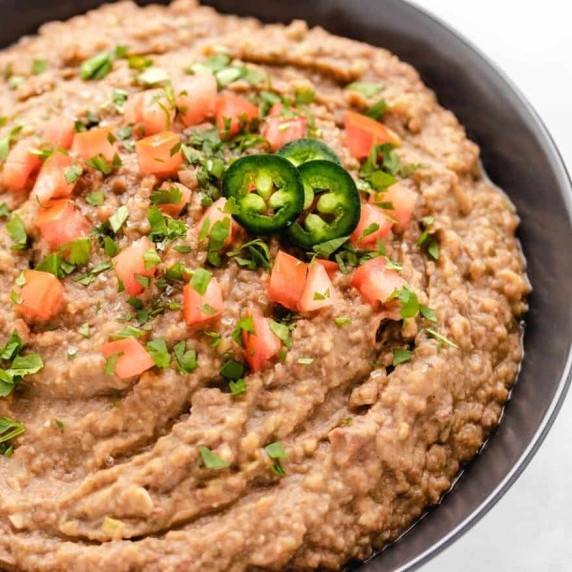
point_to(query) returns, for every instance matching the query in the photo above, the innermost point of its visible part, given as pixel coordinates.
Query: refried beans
(259, 301)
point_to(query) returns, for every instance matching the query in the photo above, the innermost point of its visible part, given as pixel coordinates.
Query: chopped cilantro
(237, 387)
(305, 360)
(7, 141)
(232, 370)
(159, 353)
(441, 338)
(111, 362)
(200, 280)
(73, 173)
(153, 77)
(95, 198)
(100, 163)
(377, 110)
(282, 332)
(127, 332)
(151, 259)
(99, 66)
(401, 356)
(326, 249)
(342, 321)
(245, 324)
(84, 330)
(170, 196)
(118, 219)
(24, 365)
(79, 251)
(212, 460)
(17, 232)
(253, 254)
(366, 89)
(186, 360)
(39, 66)
(110, 247)
(10, 429)
(12, 347)
(427, 313)
(276, 452)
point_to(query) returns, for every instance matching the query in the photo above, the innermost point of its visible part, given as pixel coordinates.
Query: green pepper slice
(301, 151)
(266, 191)
(334, 209)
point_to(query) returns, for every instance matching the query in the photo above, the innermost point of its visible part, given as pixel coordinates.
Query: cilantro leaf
(212, 460)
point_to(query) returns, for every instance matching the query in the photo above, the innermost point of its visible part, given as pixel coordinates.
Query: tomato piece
(403, 200)
(318, 292)
(287, 280)
(195, 98)
(363, 132)
(374, 222)
(59, 222)
(41, 295)
(261, 345)
(133, 360)
(278, 130)
(172, 209)
(159, 154)
(236, 109)
(129, 264)
(20, 165)
(214, 214)
(59, 132)
(330, 266)
(199, 308)
(98, 141)
(375, 282)
(51, 182)
(150, 111)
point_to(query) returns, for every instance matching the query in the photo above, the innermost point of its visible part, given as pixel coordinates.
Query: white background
(531, 526)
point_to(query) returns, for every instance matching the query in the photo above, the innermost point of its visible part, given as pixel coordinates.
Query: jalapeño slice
(266, 192)
(301, 151)
(334, 208)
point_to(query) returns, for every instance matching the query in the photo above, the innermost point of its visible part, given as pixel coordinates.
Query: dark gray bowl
(520, 157)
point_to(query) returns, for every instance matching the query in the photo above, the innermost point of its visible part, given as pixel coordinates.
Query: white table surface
(531, 526)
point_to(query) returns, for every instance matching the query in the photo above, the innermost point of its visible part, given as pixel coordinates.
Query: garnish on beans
(266, 191)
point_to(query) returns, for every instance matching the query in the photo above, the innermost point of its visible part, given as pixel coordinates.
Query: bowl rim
(565, 183)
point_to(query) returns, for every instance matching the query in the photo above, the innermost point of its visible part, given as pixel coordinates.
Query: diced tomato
(20, 165)
(199, 308)
(375, 282)
(172, 209)
(279, 130)
(133, 358)
(319, 291)
(129, 264)
(287, 280)
(159, 154)
(196, 98)
(41, 295)
(59, 222)
(59, 132)
(214, 214)
(363, 132)
(403, 200)
(150, 111)
(374, 223)
(261, 345)
(236, 109)
(51, 182)
(98, 141)
(330, 266)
